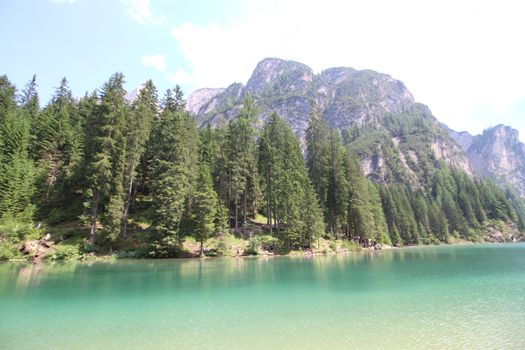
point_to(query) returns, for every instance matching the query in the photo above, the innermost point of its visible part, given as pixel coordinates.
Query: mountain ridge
(496, 153)
(359, 101)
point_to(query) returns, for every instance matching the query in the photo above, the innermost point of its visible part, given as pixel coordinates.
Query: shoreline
(298, 254)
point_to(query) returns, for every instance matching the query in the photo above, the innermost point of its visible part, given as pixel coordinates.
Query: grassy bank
(67, 241)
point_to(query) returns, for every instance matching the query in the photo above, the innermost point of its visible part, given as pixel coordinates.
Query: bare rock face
(498, 154)
(345, 96)
(201, 97)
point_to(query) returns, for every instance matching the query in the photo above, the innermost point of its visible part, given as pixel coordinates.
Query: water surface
(454, 297)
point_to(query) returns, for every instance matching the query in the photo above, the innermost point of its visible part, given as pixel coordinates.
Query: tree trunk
(126, 210)
(236, 214)
(270, 218)
(276, 219)
(245, 209)
(270, 203)
(93, 225)
(202, 249)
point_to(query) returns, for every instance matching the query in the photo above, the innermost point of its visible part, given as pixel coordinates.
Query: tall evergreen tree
(359, 215)
(241, 164)
(289, 197)
(204, 207)
(105, 170)
(175, 157)
(337, 190)
(318, 155)
(16, 169)
(137, 132)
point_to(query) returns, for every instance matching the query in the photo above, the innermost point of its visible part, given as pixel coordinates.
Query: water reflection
(351, 272)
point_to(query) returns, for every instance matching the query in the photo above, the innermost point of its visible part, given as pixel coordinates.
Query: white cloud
(156, 61)
(181, 76)
(141, 12)
(454, 56)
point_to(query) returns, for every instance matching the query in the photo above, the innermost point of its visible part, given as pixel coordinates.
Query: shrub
(65, 252)
(12, 229)
(351, 245)
(139, 253)
(167, 248)
(9, 250)
(253, 246)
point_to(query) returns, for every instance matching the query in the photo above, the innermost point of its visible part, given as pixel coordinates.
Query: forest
(103, 174)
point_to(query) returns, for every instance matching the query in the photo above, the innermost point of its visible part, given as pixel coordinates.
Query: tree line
(102, 159)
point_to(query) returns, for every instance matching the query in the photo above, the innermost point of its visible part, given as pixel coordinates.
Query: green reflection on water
(433, 297)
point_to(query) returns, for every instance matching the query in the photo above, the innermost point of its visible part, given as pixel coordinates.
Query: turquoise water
(459, 297)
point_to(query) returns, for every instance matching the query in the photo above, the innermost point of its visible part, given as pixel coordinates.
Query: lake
(447, 297)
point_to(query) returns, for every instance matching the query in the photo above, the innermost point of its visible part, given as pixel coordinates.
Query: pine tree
(16, 169)
(241, 163)
(56, 146)
(138, 127)
(380, 227)
(106, 167)
(175, 157)
(7, 97)
(29, 100)
(288, 195)
(337, 190)
(359, 215)
(317, 155)
(204, 207)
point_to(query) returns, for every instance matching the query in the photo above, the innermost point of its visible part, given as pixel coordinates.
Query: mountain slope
(497, 153)
(397, 139)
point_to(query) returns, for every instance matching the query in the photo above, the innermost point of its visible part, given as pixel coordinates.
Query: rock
(36, 249)
(378, 247)
(30, 247)
(497, 154)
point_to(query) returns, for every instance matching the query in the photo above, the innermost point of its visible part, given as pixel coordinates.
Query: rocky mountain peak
(375, 108)
(275, 73)
(496, 153)
(502, 133)
(201, 97)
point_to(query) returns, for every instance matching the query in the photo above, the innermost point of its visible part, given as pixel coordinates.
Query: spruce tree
(241, 164)
(137, 132)
(16, 169)
(317, 155)
(337, 189)
(107, 147)
(174, 151)
(204, 207)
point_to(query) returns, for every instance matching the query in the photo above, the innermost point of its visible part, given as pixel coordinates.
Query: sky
(464, 59)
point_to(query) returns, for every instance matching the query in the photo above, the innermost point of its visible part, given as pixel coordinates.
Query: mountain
(397, 139)
(497, 153)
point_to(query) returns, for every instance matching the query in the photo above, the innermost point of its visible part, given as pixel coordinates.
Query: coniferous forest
(138, 178)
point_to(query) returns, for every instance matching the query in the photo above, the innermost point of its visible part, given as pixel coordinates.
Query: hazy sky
(464, 59)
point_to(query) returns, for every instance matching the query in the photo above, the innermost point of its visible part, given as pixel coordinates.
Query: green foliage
(65, 252)
(9, 250)
(145, 166)
(174, 161)
(289, 199)
(204, 206)
(167, 247)
(241, 165)
(14, 229)
(253, 247)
